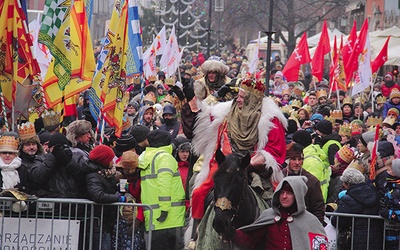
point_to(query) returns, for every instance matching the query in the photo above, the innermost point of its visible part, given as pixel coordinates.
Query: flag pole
(3, 109)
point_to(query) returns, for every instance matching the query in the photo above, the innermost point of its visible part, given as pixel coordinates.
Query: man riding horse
(251, 123)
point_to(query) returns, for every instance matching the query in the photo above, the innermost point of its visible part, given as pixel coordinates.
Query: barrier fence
(48, 223)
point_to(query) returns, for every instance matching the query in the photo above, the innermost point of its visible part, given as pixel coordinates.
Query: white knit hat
(352, 176)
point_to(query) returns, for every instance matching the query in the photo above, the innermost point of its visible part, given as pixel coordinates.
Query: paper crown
(168, 99)
(380, 100)
(321, 93)
(256, 88)
(348, 100)
(170, 81)
(152, 78)
(308, 108)
(373, 121)
(8, 144)
(51, 118)
(345, 154)
(356, 164)
(285, 92)
(136, 80)
(336, 114)
(394, 93)
(389, 120)
(296, 104)
(329, 118)
(298, 90)
(393, 111)
(356, 127)
(149, 97)
(359, 100)
(26, 131)
(345, 130)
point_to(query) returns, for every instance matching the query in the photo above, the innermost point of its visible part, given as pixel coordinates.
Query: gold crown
(389, 120)
(26, 131)
(296, 104)
(136, 80)
(329, 118)
(345, 130)
(286, 109)
(256, 88)
(359, 100)
(294, 115)
(336, 114)
(321, 93)
(380, 133)
(356, 129)
(51, 118)
(373, 121)
(308, 108)
(152, 78)
(170, 81)
(150, 98)
(167, 99)
(348, 100)
(8, 144)
(346, 154)
(380, 100)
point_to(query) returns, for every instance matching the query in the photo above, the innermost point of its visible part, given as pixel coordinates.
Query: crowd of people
(165, 157)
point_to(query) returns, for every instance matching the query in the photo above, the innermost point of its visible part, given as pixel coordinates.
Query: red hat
(102, 155)
(389, 74)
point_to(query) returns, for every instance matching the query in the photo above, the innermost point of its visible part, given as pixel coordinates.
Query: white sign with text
(39, 234)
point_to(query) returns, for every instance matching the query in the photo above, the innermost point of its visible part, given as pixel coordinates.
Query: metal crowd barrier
(48, 223)
(390, 234)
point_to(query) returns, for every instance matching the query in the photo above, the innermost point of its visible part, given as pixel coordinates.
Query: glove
(163, 216)
(224, 90)
(178, 92)
(189, 92)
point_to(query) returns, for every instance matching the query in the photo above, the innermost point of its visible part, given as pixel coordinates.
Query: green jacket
(162, 187)
(314, 158)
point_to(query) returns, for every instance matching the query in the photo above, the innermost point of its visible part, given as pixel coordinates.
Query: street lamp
(344, 22)
(269, 45)
(160, 10)
(377, 17)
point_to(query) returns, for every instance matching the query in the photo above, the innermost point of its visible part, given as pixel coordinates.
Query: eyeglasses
(7, 153)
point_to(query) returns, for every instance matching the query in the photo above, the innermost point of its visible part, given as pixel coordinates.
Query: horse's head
(230, 181)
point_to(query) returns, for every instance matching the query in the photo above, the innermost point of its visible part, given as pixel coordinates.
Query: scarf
(9, 173)
(243, 123)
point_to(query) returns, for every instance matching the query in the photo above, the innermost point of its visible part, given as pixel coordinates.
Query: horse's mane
(228, 169)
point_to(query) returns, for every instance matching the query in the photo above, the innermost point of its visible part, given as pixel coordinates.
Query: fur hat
(139, 132)
(78, 128)
(352, 176)
(102, 155)
(129, 159)
(396, 167)
(214, 65)
(325, 127)
(159, 138)
(294, 150)
(302, 137)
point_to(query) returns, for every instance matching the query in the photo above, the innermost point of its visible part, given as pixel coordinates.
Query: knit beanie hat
(58, 139)
(292, 126)
(125, 143)
(345, 155)
(44, 136)
(102, 155)
(394, 93)
(396, 167)
(325, 127)
(367, 137)
(134, 104)
(385, 149)
(316, 117)
(159, 138)
(139, 132)
(129, 160)
(352, 176)
(302, 137)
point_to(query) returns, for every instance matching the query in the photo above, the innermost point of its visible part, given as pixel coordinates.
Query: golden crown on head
(329, 118)
(389, 120)
(346, 153)
(336, 114)
(380, 133)
(308, 108)
(345, 130)
(8, 144)
(170, 81)
(373, 121)
(359, 100)
(296, 104)
(380, 100)
(356, 128)
(51, 118)
(136, 80)
(348, 100)
(255, 87)
(152, 78)
(286, 109)
(26, 131)
(321, 93)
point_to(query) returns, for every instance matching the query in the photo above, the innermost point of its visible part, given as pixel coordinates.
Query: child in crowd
(393, 102)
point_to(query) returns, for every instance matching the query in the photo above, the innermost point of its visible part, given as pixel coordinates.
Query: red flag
(358, 46)
(348, 46)
(300, 55)
(323, 48)
(381, 58)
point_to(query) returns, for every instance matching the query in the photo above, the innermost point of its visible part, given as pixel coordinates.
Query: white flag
(40, 51)
(160, 41)
(254, 59)
(171, 57)
(149, 62)
(364, 73)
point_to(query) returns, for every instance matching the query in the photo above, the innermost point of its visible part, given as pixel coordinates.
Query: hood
(334, 136)
(298, 184)
(147, 156)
